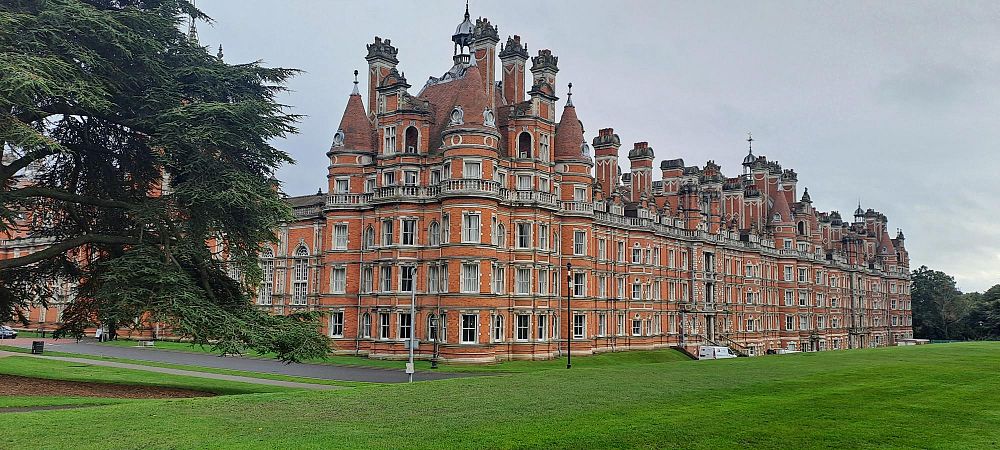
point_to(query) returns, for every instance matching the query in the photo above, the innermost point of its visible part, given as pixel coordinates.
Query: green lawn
(242, 373)
(30, 400)
(945, 395)
(60, 370)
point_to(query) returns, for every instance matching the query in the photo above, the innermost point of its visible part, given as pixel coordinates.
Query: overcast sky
(893, 103)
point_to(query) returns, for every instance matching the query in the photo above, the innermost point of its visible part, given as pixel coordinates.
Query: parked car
(7, 332)
(714, 352)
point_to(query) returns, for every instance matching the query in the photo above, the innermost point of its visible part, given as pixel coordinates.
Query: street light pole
(569, 315)
(413, 323)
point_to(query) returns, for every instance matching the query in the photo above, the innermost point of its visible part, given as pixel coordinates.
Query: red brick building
(481, 202)
(472, 197)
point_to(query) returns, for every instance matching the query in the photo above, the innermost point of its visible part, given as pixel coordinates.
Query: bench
(146, 343)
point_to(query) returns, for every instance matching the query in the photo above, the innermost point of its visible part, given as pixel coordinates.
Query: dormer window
(777, 218)
(488, 118)
(338, 138)
(457, 116)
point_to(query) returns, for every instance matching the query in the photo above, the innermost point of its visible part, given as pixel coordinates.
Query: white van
(713, 352)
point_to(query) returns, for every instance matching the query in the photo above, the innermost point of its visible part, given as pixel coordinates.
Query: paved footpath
(186, 373)
(321, 371)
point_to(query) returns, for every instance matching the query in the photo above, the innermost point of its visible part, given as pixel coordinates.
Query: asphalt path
(321, 371)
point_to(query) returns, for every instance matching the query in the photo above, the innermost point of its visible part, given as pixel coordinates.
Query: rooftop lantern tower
(463, 38)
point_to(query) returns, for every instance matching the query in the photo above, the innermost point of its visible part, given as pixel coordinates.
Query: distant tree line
(942, 311)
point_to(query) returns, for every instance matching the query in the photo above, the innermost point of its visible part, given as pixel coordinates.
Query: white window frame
(467, 328)
(338, 280)
(522, 283)
(336, 324)
(472, 232)
(470, 281)
(469, 173)
(579, 242)
(340, 235)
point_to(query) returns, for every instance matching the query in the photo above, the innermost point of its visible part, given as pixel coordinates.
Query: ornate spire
(805, 196)
(355, 91)
(750, 158)
(192, 29)
(569, 95)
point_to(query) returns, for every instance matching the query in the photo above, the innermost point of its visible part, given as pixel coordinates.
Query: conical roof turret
(569, 133)
(355, 132)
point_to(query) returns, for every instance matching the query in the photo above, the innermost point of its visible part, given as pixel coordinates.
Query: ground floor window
(498, 328)
(636, 327)
(579, 325)
(383, 326)
(432, 327)
(366, 325)
(541, 322)
(443, 323)
(470, 326)
(602, 324)
(405, 326)
(337, 324)
(523, 327)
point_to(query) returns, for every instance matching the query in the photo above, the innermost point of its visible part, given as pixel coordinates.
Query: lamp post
(569, 315)
(413, 322)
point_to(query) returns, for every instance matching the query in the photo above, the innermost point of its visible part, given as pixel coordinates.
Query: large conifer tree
(101, 100)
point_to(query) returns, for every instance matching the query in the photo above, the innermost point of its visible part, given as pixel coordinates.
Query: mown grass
(60, 370)
(242, 373)
(933, 396)
(31, 401)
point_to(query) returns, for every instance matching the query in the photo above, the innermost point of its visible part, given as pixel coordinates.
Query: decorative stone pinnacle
(382, 50)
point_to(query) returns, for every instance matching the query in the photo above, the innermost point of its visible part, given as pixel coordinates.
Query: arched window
(498, 330)
(267, 277)
(300, 275)
(524, 145)
(369, 237)
(411, 137)
(501, 235)
(802, 228)
(434, 234)
(366, 326)
(432, 327)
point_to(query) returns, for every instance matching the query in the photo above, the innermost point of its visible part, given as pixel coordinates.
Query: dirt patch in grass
(17, 385)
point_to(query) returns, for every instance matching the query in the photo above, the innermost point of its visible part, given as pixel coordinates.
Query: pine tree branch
(56, 194)
(62, 247)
